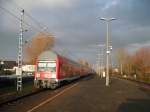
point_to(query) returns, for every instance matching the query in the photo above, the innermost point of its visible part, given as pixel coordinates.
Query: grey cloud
(78, 26)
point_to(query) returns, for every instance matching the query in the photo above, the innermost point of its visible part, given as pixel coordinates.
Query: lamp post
(107, 20)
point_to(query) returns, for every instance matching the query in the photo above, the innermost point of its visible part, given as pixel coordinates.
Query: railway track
(39, 98)
(51, 94)
(14, 96)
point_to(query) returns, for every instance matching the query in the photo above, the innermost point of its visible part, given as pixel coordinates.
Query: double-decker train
(52, 69)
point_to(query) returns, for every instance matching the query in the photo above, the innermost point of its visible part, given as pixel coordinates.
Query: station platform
(91, 95)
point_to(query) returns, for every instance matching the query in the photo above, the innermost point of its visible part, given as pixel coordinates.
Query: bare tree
(141, 61)
(138, 63)
(37, 45)
(122, 58)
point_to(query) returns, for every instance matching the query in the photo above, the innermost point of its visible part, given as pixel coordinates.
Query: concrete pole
(107, 54)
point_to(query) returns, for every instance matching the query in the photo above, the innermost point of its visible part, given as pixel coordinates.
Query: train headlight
(37, 75)
(53, 75)
(47, 76)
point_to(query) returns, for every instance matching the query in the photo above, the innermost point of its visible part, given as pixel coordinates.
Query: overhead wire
(12, 14)
(40, 26)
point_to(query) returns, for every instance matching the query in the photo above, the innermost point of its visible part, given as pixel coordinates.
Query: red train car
(51, 69)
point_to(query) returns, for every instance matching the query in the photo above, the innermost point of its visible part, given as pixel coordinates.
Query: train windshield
(47, 66)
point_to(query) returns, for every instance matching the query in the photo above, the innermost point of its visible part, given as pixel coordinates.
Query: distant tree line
(136, 65)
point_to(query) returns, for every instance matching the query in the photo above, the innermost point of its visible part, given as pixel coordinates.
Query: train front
(46, 70)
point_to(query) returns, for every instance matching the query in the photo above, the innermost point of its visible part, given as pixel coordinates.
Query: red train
(52, 69)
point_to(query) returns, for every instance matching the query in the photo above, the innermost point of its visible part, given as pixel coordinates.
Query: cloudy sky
(76, 24)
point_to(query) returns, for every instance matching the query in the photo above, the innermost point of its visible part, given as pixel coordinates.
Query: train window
(51, 67)
(44, 66)
(51, 64)
(41, 66)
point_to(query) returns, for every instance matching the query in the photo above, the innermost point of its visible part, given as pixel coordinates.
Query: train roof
(48, 55)
(52, 55)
